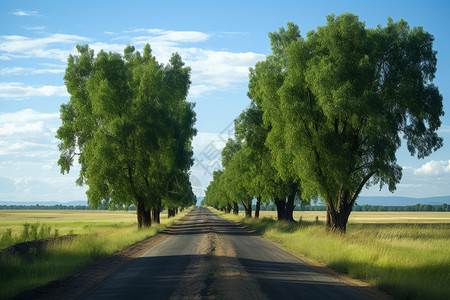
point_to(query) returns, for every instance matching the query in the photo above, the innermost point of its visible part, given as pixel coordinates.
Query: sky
(219, 40)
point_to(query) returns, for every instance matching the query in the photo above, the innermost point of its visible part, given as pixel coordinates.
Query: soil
(24, 249)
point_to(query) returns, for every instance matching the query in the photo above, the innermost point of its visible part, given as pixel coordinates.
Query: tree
(129, 124)
(339, 101)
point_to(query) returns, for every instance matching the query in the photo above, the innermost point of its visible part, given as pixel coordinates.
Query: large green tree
(340, 101)
(130, 125)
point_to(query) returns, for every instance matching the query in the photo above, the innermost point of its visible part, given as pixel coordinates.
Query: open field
(67, 221)
(403, 253)
(357, 217)
(100, 233)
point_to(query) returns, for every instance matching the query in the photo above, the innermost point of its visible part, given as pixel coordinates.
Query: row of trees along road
(130, 126)
(327, 115)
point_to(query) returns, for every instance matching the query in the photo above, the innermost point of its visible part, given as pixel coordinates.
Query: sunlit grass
(407, 260)
(97, 239)
(371, 216)
(66, 221)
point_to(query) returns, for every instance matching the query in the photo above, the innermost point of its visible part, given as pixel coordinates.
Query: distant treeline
(366, 207)
(64, 207)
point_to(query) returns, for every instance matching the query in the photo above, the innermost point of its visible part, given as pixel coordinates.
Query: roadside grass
(98, 240)
(406, 260)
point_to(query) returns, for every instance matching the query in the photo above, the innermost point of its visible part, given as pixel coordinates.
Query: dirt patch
(215, 273)
(197, 278)
(231, 278)
(35, 247)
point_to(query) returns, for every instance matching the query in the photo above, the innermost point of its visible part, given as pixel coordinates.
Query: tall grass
(409, 261)
(18, 274)
(30, 232)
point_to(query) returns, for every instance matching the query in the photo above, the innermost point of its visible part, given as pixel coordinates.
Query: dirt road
(207, 257)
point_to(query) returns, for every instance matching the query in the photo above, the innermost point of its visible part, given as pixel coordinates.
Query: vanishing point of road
(208, 257)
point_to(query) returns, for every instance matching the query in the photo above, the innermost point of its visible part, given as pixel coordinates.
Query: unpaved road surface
(207, 257)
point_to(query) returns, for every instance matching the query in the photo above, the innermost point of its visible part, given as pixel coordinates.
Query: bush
(6, 239)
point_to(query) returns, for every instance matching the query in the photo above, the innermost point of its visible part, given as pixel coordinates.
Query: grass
(407, 260)
(99, 234)
(66, 221)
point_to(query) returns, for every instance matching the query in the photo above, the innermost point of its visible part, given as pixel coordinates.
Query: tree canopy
(329, 111)
(131, 127)
(339, 102)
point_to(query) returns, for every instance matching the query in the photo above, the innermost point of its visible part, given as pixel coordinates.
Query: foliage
(338, 102)
(130, 125)
(30, 232)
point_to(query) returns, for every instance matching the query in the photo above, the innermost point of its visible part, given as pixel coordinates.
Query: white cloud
(21, 46)
(23, 13)
(17, 90)
(444, 129)
(107, 47)
(170, 35)
(34, 27)
(211, 70)
(197, 90)
(28, 134)
(29, 71)
(217, 70)
(26, 116)
(433, 168)
(48, 188)
(410, 185)
(207, 154)
(11, 129)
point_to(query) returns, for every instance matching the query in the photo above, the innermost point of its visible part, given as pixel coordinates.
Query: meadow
(405, 254)
(98, 234)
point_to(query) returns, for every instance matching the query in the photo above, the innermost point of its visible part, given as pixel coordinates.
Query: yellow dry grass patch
(371, 216)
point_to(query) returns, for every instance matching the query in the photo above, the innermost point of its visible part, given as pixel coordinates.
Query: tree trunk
(248, 209)
(170, 212)
(156, 212)
(258, 207)
(143, 215)
(290, 205)
(281, 208)
(337, 217)
(147, 218)
(140, 214)
(228, 208)
(235, 208)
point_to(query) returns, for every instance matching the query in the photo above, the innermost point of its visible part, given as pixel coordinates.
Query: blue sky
(218, 39)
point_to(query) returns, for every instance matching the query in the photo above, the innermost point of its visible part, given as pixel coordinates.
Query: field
(358, 217)
(99, 233)
(405, 254)
(65, 221)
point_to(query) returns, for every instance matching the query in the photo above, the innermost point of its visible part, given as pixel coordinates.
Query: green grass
(95, 240)
(409, 261)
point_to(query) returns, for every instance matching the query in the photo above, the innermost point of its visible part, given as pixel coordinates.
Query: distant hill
(46, 203)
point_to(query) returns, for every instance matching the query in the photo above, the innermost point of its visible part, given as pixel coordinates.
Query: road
(207, 257)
